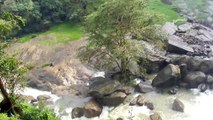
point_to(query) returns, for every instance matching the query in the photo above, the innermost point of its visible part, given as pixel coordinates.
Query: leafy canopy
(114, 30)
(9, 22)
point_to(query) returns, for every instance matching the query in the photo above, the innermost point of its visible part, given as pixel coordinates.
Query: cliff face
(55, 68)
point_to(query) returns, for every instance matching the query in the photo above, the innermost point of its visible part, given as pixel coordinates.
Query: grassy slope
(63, 33)
(66, 32)
(166, 10)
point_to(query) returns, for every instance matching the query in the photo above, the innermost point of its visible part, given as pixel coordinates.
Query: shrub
(33, 113)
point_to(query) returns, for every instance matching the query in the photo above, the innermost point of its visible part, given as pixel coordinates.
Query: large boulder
(77, 112)
(169, 28)
(92, 109)
(195, 78)
(109, 92)
(167, 77)
(178, 105)
(206, 66)
(103, 87)
(194, 63)
(185, 27)
(145, 87)
(209, 79)
(177, 45)
(113, 99)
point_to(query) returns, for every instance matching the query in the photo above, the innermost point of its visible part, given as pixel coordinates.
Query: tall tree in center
(113, 30)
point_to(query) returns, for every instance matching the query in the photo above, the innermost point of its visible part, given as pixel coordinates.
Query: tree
(113, 34)
(8, 23)
(11, 70)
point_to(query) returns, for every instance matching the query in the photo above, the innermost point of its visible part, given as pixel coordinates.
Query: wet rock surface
(145, 87)
(109, 92)
(77, 112)
(155, 116)
(178, 105)
(167, 77)
(92, 109)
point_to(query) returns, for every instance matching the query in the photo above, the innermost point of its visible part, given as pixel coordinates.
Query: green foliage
(33, 113)
(112, 30)
(41, 14)
(5, 117)
(8, 23)
(62, 33)
(13, 74)
(166, 10)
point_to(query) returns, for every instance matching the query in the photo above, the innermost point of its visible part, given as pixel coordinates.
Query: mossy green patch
(167, 11)
(62, 33)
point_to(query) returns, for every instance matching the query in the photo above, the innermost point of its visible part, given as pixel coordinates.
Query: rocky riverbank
(187, 64)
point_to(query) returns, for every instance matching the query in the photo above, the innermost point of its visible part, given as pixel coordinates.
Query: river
(197, 106)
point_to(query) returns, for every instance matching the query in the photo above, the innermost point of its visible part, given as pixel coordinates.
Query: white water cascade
(197, 106)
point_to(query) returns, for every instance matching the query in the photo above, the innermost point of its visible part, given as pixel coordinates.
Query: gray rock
(176, 45)
(206, 33)
(155, 116)
(145, 87)
(140, 100)
(77, 112)
(194, 63)
(133, 102)
(209, 79)
(206, 66)
(178, 105)
(125, 89)
(113, 99)
(211, 86)
(195, 78)
(184, 84)
(167, 77)
(203, 87)
(43, 97)
(169, 28)
(183, 70)
(103, 87)
(92, 109)
(173, 91)
(185, 27)
(203, 38)
(149, 105)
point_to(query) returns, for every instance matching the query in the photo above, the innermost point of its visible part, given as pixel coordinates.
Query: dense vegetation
(114, 29)
(12, 79)
(41, 14)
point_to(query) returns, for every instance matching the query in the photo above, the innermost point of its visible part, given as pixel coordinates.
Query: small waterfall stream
(197, 106)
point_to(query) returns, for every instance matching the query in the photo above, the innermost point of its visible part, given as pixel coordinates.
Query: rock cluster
(104, 92)
(190, 38)
(189, 57)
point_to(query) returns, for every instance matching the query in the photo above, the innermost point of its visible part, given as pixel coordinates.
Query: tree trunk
(6, 105)
(124, 69)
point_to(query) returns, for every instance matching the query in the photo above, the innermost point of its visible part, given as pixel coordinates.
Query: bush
(5, 117)
(33, 113)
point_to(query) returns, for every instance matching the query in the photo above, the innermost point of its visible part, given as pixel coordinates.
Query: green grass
(62, 33)
(26, 38)
(166, 11)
